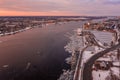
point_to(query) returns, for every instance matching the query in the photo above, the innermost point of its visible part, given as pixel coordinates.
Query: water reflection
(36, 54)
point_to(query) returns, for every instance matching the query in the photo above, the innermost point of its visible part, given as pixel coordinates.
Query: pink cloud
(61, 7)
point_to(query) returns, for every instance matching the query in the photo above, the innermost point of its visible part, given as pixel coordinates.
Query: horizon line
(56, 15)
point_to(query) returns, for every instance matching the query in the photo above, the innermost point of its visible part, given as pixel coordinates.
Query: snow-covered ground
(76, 43)
(115, 71)
(87, 55)
(100, 75)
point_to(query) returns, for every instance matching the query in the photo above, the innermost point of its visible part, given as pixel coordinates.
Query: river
(36, 54)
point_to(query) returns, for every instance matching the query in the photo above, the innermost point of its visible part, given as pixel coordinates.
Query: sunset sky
(59, 7)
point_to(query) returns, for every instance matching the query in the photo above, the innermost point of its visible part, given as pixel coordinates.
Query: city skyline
(59, 7)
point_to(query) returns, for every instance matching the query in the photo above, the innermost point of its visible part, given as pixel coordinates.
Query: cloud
(28, 5)
(61, 7)
(114, 2)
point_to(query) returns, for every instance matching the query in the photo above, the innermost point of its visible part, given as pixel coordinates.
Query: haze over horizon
(59, 8)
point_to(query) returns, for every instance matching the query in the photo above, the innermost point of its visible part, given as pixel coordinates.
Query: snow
(115, 71)
(28, 65)
(5, 66)
(79, 30)
(68, 60)
(97, 49)
(87, 55)
(104, 37)
(27, 28)
(76, 43)
(100, 75)
(104, 59)
(116, 63)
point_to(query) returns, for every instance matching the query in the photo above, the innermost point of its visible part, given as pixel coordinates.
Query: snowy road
(87, 72)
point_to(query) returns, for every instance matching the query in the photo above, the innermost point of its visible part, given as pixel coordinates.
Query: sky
(59, 7)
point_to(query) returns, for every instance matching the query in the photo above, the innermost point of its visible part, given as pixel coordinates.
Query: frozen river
(36, 54)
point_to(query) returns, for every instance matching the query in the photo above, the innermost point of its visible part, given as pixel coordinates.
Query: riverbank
(42, 49)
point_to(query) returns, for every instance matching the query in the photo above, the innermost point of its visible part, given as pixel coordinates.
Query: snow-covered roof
(103, 36)
(104, 59)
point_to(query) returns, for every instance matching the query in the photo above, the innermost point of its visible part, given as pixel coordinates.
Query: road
(87, 71)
